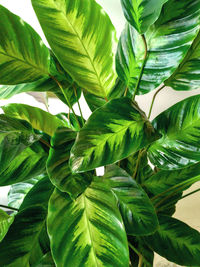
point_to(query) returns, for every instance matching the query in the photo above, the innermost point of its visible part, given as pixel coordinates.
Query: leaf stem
(191, 193)
(134, 249)
(143, 65)
(79, 106)
(45, 143)
(153, 100)
(7, 207)
(46, 101)
(140, 260)
(66, 97)
(126, 91)
(137, 164)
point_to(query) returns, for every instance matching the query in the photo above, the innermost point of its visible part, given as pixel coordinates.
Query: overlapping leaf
(136, 208)
(118, 126)
(92, 233)
(86, 52)
(58, 164)
(176, 241)
(5, 222)
(180, 144)
(168, 41)
(38, 118)
(22, 51)
(142, 14)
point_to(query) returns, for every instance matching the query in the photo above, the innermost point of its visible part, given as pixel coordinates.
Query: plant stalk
(140, 260)
(45, 143)
(191, 193)
(6, 207)
(153, 100)
(79, 106)
(142, 68)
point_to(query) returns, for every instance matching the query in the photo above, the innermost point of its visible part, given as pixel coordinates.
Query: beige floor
(188, 210)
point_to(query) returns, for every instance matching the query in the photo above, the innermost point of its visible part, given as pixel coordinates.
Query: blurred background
(188, 208)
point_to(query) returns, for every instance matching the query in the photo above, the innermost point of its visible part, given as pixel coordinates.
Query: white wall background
(188, 210)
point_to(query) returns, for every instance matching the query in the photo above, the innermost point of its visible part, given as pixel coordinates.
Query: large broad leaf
(118, 126)
(91, 231)
(58, 164)
(23, 56)
(28, 164)
(186, 77)
(136, 208)
(176, 241)
(38, 118)
(5, 222)
(168, 41)
(15, 136)
(26, 241)
(180, 144)
(142, 14)
(18, 192)
(82, 37)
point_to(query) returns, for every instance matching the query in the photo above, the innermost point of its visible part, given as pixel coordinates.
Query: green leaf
(168, 41)
(176, 241)
(180, 143)
(5, 222)
(118, 126)
(18, 192)
(136, 208)
(186, 76)
(86, 52)
(142, 14)
(92, 233)
(46, 261)
(15, 136)
(38, 118)
(70, 121)
(58, 164)
(28, 164)
(22, 52)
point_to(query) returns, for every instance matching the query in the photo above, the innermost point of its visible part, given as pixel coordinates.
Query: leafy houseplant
(64, 214)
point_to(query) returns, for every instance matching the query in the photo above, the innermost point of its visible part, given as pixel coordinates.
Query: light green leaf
(22, 51)
(58, 164)
(142, 14)
(136, 208)
(118, 126)
(18, 192)
(15, 136)
(83, 38)
(38, 118)
(28, 164)
(92, 233)
(186, 76)
(176, 241)
(168, 41)
(5, 222)
(180, 143)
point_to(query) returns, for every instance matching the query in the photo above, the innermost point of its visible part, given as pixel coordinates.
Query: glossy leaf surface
(186, 77)
(176, 241)
(58, 164)
(86, 52)
(38, 118)
(15, 136)
(117, 126)
(168, 41)
(22, 51)
(92, 233)
(5, 222)
(142, 14)
(18, 192)
(136, 208)
(28, 164)
(180, 143)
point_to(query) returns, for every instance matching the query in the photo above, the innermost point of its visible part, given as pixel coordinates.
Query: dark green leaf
(168, 41)
(46, 261)
(58, 164)
(5, 222)
(142, 14)
(176, 241)
(180, 144)
(86, 52)
(186, 77)
(118, 126)
(92, 233)
(38, 118)
(18, 192)
(22, 52)
(136, 208)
